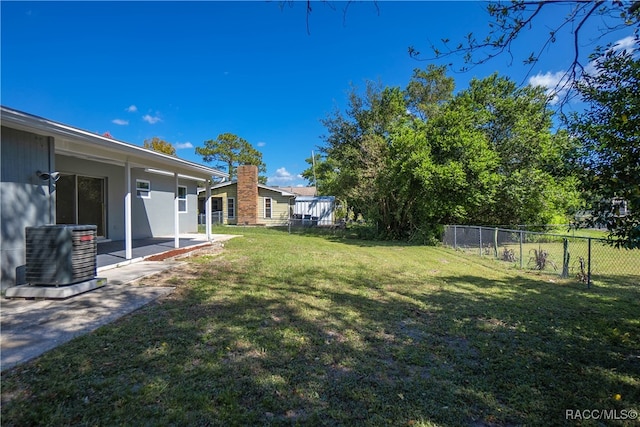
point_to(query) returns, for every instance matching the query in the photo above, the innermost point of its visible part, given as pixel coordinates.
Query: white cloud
(629, 43)
(281, 177)
(183, 145)
(547, 80)
(282, 173)
(554, 83)
(120, 122)
(261, 144)
(557, 84)
(151, 119)
(131, 109)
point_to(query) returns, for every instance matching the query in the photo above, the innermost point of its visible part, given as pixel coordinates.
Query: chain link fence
(583, 258)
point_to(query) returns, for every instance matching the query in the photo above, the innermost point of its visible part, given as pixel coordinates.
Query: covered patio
(112, 254)
(55, 174)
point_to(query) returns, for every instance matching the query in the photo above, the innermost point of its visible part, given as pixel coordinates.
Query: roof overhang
(82, 144)
(277, 190)
(264, 187)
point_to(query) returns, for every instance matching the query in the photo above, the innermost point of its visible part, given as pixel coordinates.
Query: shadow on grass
(352, 237)
(240, 347)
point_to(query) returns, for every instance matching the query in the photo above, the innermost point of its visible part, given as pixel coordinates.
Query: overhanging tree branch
(511, 18)
(328, 3)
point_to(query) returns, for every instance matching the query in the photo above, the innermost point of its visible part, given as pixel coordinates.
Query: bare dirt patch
(183, 272)
(182, 253)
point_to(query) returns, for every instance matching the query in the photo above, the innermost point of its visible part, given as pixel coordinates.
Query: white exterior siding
(320, 208)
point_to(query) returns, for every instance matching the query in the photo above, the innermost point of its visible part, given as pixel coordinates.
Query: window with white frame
(267, 207)
(182, 198)
(143, 188)
(231, 207)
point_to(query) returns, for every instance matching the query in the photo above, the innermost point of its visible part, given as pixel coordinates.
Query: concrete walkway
(28, 328)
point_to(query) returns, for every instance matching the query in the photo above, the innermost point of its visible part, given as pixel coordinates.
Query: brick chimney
(247, 195)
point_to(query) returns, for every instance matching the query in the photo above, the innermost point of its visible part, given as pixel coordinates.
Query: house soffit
(78, 143)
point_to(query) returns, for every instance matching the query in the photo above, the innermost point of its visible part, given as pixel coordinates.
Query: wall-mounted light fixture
(51, 176)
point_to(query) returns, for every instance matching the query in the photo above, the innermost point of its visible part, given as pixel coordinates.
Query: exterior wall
(150, 217)
(225, 193)
(114, 180)
(25, 200)
(154, 216)
(247, 195)
(280, 207)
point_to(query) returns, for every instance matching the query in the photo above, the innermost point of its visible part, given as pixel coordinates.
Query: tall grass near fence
(585, 259)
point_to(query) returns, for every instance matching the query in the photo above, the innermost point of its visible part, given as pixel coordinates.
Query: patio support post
(52, 194)
(127, 211)
(176, 214)
(207, 209)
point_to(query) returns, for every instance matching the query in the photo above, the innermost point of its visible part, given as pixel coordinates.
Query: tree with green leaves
(409, 159)
(353, 159)
(533, 188)
(606, 154)
(321, 173)
(159, 145)
(229, 151)
(609, 145)
(428, 90)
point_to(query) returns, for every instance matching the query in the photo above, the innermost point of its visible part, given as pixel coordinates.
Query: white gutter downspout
(176, 214)
(128, 252)
(207, 209)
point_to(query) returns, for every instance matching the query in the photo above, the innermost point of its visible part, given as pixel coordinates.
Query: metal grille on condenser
(59, 255)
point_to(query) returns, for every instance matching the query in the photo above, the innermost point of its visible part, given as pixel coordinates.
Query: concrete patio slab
(32, 327)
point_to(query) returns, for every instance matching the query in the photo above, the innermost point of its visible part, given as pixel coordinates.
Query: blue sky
(187, 72)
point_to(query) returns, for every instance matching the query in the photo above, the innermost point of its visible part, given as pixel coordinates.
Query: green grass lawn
(580, 232)
(284, 329)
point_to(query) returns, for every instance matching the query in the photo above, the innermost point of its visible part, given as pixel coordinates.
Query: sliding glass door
(81, 200)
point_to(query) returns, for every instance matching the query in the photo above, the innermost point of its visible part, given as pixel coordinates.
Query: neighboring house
(281, 206)
(246, 202)
(53, 173)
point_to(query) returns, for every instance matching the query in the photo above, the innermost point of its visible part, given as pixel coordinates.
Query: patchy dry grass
(287, 329)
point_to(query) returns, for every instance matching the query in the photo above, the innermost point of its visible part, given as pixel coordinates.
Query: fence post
(455, 237)
(521, 235)
(589, 265)
(565, 258)
(480, 238)
(495, 242)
